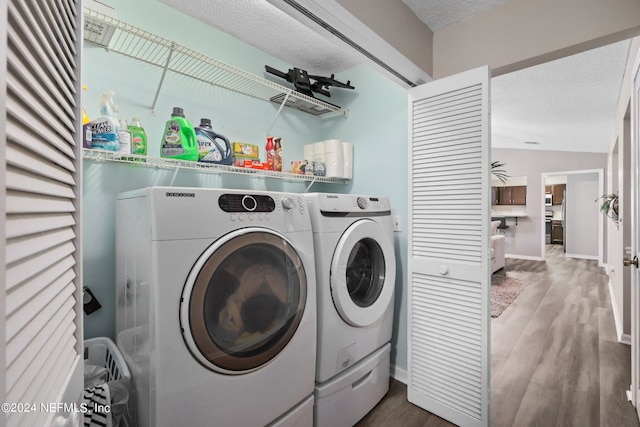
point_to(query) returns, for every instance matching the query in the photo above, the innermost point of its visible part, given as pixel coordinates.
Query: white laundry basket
(103, 352)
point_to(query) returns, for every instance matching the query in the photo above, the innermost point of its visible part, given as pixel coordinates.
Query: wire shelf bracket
(164, 73)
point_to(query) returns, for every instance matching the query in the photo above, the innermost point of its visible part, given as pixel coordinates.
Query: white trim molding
(331, 20)
(622, 337)
(580, 256)
(525, 257)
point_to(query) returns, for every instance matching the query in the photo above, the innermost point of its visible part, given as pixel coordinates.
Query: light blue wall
(377, 126)
(240, 118)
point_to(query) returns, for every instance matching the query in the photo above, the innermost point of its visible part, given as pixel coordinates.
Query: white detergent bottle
(125, 138)
(104, 129)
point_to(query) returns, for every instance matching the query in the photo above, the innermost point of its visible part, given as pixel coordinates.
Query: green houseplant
(498, 172)
(609, 205)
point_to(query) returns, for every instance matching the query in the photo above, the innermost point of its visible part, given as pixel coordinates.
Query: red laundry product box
(250, 164)
(243, 163)
(259, 165)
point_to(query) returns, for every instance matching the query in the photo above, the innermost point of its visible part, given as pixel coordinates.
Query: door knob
(627, 262)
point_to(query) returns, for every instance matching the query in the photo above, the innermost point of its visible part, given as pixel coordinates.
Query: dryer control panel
(285, 211)
(181, 213)
(246, 203)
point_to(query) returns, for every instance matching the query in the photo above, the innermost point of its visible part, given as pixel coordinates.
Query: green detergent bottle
(179, 138)
(138, 137)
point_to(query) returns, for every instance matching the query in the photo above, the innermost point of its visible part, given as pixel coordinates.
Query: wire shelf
(128, 40)
(173, 164)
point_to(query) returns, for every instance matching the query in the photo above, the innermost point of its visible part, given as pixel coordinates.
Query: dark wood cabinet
(504, 196)
(557, 194)
(557, 234)
(510, 195)
(519, 195)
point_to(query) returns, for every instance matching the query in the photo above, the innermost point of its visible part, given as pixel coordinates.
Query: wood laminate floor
(555, 359)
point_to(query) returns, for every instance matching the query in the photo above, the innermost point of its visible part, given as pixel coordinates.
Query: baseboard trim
(625, 339)
(622, 337)
(578, 256)
(399, 374)
(525, 257)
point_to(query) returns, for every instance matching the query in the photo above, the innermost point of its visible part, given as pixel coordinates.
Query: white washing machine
(216, 306)
(355, 279)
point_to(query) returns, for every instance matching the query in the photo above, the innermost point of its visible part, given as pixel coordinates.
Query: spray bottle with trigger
(104, 129)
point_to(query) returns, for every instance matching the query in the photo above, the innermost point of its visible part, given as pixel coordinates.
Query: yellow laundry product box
(245, 151)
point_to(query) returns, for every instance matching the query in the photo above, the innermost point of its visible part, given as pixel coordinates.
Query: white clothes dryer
(355, 279)
(216, 306)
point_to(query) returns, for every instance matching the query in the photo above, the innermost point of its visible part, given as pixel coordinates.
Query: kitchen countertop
(510, 214)
(557, 216)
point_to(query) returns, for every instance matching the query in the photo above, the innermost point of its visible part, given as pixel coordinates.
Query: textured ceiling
(437, 14)
(567, 104)
(260, 24)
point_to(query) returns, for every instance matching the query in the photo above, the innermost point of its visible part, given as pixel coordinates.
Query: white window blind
(41, 177)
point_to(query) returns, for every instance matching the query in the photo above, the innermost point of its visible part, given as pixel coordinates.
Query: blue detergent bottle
(212, 147)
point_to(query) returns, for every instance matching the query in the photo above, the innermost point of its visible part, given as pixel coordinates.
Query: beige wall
(397, 24)
(508, 37)
(524, 239)
(522, 33)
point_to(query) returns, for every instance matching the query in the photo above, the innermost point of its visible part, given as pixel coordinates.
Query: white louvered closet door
(40, 179)
(449, 258)
(635, 235)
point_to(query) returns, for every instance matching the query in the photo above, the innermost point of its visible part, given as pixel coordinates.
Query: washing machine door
(363, 272)
(243, 300)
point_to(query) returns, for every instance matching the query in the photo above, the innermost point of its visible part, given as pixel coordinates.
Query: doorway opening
(575, 220)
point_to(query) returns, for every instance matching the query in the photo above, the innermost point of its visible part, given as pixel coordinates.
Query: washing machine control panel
(246, 203)
(288, 203)
(292, 203)
(351, 205)
(362, 202)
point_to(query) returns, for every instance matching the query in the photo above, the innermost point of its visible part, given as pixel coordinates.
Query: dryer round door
(243, 300)
(363, 272)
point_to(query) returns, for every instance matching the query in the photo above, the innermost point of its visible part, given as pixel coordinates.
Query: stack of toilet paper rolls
(336, 155)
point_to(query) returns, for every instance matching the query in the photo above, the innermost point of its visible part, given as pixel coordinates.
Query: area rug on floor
(504, 290)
